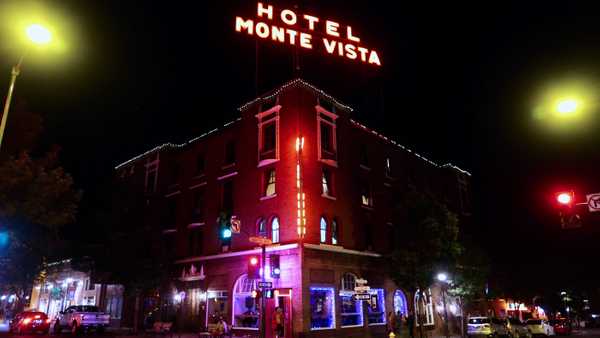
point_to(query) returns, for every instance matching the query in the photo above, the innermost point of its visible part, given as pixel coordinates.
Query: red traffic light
(565, 198)
(253, 261)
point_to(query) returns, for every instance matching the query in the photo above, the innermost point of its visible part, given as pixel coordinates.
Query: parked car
(480, 326)
(30, 322)
(561, 326)
(540, 327)
(500, 327)
(81, 318)
(517, 328)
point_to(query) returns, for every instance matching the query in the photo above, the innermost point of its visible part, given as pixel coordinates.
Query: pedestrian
(278, 322)
(410, 320)
(222, 329)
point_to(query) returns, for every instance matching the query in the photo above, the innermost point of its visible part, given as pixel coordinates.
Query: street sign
(361, 281)
(236, 225)
(593, 201)
(361, 296)
(265, 285)
(362, 289)
(260, 240)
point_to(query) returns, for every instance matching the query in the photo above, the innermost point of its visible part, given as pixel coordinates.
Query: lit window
(269, 185)
(261, 227)
(334, 232)
(424, 307)
(326, 182)
(322, 308)
(376, 308)
(388, 167)
(400, 305)
(275, 230)
(365, 194)
(326, 133)
(323, 227)
(245, 307)
(352, 311)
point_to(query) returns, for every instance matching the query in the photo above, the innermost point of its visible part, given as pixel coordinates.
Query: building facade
(65, 286)
(297, 169)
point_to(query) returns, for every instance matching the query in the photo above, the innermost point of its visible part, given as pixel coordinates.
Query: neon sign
(300, 30)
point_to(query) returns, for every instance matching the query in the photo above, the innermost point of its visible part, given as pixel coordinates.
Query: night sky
(459, 83)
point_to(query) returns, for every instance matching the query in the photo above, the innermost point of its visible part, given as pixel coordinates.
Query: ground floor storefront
(313, 296)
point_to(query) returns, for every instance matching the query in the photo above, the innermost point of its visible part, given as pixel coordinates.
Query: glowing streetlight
(39, 35)
(566, 107)
(442, 277)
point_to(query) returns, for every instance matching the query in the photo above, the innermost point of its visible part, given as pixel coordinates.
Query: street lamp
(443, 279)
(38, 35)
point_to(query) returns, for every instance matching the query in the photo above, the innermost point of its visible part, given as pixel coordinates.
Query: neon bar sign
(336, 39)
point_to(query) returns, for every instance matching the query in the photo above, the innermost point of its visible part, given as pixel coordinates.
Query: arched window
(424, 307)
(400, 305)
(245, 307)
(323, 227)
(261, 227)
(352, 311)
(275, 230)
(334, 232)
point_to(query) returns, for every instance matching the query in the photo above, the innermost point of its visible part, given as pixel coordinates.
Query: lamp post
(38, 35)
(443, 279)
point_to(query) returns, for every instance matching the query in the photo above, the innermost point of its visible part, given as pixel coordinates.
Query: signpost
(593, 202)
(361, 296)
(263, 242)
(265, 285)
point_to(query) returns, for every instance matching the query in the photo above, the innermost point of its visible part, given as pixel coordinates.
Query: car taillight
(487, 326)
(48, 321)
(26, 321)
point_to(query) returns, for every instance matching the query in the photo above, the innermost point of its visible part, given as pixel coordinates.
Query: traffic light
(566, 198)
(253, 268)
(275, 268)
(225, 232)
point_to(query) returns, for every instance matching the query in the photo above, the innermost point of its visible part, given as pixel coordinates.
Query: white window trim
(174, 193)
(195, 186)
(196, 225)
(264, 198)
(333, 198)
(320, 110)
(220, 178)
(233, 294)
(260, 116)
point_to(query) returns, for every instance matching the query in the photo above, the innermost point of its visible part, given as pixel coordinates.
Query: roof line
(174, 145)
(293, 83)
(385, 138)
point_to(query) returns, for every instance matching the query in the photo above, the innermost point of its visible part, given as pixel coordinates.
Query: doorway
(282, 298)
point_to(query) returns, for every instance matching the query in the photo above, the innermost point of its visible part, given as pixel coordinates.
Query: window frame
(273, 229)
(200, 158)
(235, 294)
(347, 290)
(365, 184)
(427, 305)
(151, 166)
(325, 171)
(266, 118)
(323, 229)
(230, 150)
(335, 231)
(330, 119)
(266, 182)
(261, 220)
(332, 310)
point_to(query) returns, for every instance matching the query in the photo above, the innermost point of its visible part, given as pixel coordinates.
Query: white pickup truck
(80, 318)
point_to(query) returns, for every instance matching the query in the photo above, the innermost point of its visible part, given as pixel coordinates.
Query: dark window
(230, 152)
(269, 137)
(368, 237)
(169, 245)
(364, 155)
(195, 242)
(261, 227)
(326, 182)
(227, 202)
(327, 139)
(151, 181)
(171, 218)
(200, 164)
(269, 182)
(198, 208)
(175, 173)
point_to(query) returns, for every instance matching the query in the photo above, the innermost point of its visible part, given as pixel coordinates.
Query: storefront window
(424, 308)
(322, 305)
(216, 305)
(400, 306)
(245, 307)
(352, 311)
(376, 308)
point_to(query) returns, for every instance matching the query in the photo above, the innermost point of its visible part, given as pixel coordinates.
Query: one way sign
(593, 201)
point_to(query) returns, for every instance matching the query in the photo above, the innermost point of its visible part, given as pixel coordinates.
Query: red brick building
(295, 168)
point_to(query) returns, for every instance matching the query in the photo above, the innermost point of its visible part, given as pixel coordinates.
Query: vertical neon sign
(300, 197)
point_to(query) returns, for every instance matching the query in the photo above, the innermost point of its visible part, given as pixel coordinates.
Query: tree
(429, 243)
(37, 198)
